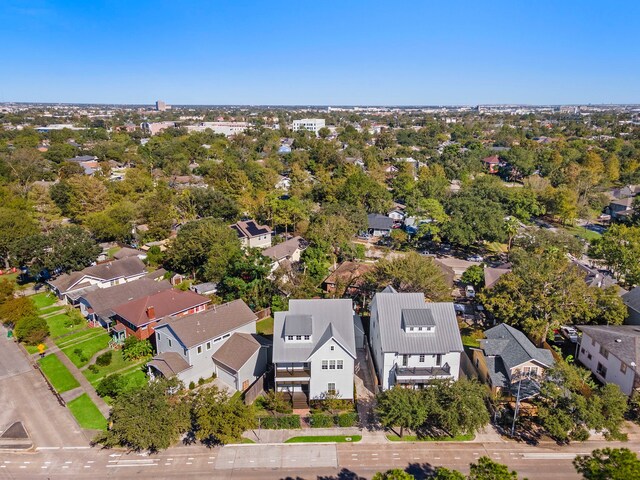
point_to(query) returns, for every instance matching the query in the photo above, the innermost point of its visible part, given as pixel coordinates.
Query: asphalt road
(312, 461)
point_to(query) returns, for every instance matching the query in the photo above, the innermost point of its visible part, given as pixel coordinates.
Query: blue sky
(321, 52)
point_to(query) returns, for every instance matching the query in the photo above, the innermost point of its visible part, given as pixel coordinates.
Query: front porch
(418, 377)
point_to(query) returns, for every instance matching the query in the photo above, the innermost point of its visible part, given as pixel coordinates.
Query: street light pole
(515, 413)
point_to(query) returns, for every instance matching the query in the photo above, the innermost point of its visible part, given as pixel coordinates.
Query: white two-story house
(314, 349)
(611, 352)
(221, 340)
(413, 342)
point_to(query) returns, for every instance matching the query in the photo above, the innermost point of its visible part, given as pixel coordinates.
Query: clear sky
(320, 52)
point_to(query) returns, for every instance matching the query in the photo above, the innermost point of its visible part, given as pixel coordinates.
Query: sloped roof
(497, 372)
(623, 341)
(349, 272)
(632, 299)
(493, 274)
(493, 159)
(378, 221)
(417, 317)
(285, 249)
(296, 324)
(104, 299)
(169, 363)
(513, 347)
(126, 267)
(125, 252)
(199, 327)
(249, 229)
(164, 303)
(390, 306)
(330, 318)
(238, 350)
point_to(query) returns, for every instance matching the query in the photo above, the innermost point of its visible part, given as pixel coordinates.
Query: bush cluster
(280, 423)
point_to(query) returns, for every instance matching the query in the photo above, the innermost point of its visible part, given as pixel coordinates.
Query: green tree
(14, 309)
(134, 349)
(619, 247)
(410, 273)
(474, 275)
(111, 385)
(395, 474)
(150, 418)
(203, 248)
(246, 278)
(15, 225)
(31, 330)
(608, 464)
(401, 407)
(474, 219)
(218, 418)
(443, 473)
(487, 469)
(470, 414)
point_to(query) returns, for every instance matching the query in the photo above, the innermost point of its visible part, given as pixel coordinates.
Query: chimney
(151, 312)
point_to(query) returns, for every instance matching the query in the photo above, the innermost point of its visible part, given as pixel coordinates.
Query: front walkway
(85, 386)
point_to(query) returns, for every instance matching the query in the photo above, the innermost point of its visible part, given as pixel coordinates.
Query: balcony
(412, 375)
(292, 374)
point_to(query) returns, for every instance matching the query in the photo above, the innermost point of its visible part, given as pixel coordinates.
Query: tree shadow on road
(420, 471)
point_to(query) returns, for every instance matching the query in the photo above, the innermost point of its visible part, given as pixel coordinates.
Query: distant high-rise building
(161, 106)
(311, 124)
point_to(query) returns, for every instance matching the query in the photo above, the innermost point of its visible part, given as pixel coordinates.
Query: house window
(332, 364)
(331, 388)
(307, 337)
(601, 370)
(582, 350)
(604, 352)
(226, 336)
(325, 364)
(589, 356)
(340, 364)
(208, 345)
(411, 329)
(333, 348)
(438, 360)
(623, 367)
(530, 370)
(405, 360)
(298, 337)
(289, 337)
(421, 358)
(199, 349)
(169, 340)
(217, 339)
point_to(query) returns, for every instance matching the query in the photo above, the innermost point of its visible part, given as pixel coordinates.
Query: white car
(470, 292)
(570, 334)
(475, 258)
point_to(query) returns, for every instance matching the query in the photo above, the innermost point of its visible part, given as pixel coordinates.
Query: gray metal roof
(298, 325)
(330, 319)
(513, 347)
(632, 299)
(417, 317)
(444, 339)
(379, 222)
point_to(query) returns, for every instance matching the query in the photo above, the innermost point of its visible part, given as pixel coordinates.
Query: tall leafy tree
(218, 418)
(619, 247)
(608, 464)
(402, 407)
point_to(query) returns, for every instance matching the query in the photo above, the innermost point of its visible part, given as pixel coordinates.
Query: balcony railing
(287, 373)
(406, 373)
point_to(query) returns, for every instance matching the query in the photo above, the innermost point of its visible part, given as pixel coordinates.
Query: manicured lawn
(57, 373)
(324, 439)
(43, 300)
(413, 438)
(51, 309)
(89, 348)
(34, 348)
(265, 326)
(87, 414)
(583, 233)
(117, 363)
(62, 324)
(80, 336)
(245, 440)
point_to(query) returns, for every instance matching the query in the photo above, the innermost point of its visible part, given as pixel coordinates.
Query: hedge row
(322, 420)
(280, 423)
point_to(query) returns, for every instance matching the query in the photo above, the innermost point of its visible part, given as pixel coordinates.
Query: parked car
(475, 258)
(557, 337)
(569, 333)
(470, 292)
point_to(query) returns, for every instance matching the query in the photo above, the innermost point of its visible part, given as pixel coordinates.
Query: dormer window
(289, 337)
(298, 328)
(418, 320)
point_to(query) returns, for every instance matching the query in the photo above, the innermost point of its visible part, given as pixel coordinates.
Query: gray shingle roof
(623, 341)
(379, 222)
(444, 339)
(513, 347)
(169, 363)
(330, 318)
(238, 350)
(104, 299)
(199, 327)
(126, 267)
(632, 299)
(497, 373)
(285, 249)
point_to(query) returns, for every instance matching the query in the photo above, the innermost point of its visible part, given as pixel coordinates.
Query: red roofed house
(492, 163)
(139, 317)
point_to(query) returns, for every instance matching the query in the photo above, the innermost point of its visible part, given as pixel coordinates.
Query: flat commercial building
(311, 124)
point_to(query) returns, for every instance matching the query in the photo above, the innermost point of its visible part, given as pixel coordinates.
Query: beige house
(252, 235)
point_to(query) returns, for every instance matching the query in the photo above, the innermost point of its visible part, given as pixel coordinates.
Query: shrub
(13, 310)
(133, 349)
(104, 359)
(320, 420)
(192, 385)
(280, 423)
(32, 330)
(93, 368)
(111, 385)
(346, 419)
(80, 354)
(201, 381)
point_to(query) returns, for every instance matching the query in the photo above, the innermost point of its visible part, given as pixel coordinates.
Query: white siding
(320, 379)
(612, 364)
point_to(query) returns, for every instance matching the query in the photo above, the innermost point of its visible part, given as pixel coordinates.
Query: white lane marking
(65, 466)
(47, 448)
(76, 448)
(549, 456)
(68, 461)
(23, 466)
(133, 465)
